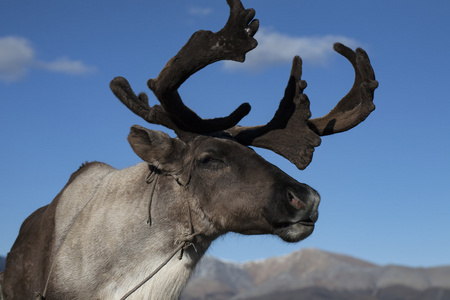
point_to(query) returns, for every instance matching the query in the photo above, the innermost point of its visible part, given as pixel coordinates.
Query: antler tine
(204, 47)
(356, 106)
(139, 104)
(288, 133)
(291, 134)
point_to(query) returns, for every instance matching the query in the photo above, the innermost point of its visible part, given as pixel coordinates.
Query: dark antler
(291, 134)
(139, 104)
(202, 49)
(288, 133)
(356, 106)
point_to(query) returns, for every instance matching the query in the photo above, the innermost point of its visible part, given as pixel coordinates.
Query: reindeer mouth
(294, 232)
(305, 222)
(308, 223)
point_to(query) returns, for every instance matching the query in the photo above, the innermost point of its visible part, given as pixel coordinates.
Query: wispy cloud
(200, 11)
(67, 66)
(17, 58)
(277, 48)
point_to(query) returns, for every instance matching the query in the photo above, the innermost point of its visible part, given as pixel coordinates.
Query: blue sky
(384, 184)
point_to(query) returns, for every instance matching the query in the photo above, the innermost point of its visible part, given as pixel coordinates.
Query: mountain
(313, 274)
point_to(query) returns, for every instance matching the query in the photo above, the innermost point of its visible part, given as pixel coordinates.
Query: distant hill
(313, 274)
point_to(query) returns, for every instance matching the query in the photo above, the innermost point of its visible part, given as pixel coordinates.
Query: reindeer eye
(207, 160)
(210, 162)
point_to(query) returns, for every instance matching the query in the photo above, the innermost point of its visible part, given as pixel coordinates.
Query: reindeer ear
(157, 148)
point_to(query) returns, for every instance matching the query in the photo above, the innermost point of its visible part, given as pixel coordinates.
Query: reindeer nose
(295, 201)
(308, 200)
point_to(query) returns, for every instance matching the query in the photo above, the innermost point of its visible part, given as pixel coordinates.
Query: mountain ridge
(314, 273)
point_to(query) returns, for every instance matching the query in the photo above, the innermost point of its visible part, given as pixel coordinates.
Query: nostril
(295, 202)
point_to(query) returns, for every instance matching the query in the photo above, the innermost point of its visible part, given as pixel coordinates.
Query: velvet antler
(356, 106)
(288, 133)
(204, 47)
(291, 133)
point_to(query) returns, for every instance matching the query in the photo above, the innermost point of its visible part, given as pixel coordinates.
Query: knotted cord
(1, 291)
(183, 244)
(152, 177)
(181, 247)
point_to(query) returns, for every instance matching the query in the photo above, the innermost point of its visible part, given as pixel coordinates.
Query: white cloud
(200, 11)
(17, 57)
(67, 66)
(277, 48)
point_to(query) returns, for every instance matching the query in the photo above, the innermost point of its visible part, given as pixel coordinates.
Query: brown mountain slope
(312, 274)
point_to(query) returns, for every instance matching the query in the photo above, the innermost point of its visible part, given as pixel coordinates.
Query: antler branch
(356, 106)
(288, 133)
(204, 47)
(139, 104)
(292, 134)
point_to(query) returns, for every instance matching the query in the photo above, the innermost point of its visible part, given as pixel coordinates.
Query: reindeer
(138, 233)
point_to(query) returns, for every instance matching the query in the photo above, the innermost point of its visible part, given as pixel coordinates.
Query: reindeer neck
(121, 246)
